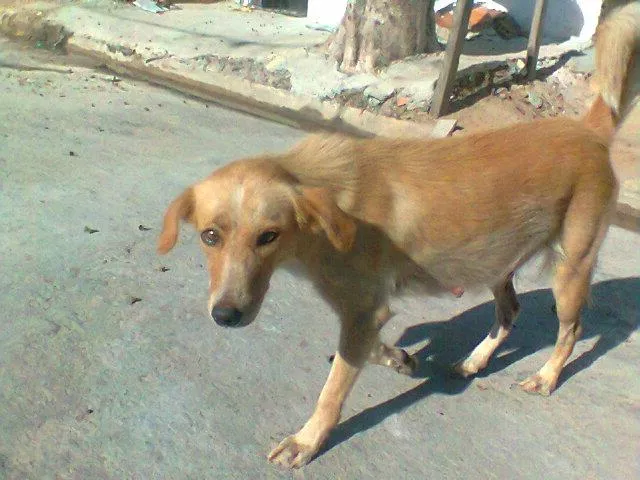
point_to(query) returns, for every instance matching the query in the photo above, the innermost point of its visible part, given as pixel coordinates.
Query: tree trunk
(373, 33)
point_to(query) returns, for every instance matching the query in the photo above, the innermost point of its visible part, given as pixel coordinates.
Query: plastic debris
(150, 6)
(322, 27)
(485, 16)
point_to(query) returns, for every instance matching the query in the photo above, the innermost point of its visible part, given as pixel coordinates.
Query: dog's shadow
(612, 316)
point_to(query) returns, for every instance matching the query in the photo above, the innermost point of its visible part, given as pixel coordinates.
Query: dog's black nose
(226, 317)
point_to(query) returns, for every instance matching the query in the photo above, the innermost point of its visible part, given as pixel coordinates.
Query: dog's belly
(479, 245)
(483, 261)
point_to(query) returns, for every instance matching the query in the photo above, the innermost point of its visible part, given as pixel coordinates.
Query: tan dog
(362, 215)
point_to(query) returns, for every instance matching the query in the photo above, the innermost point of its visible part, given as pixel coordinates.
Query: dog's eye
(210, 237)
(267, 237)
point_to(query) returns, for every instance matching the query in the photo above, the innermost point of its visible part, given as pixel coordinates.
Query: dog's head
(251, 215)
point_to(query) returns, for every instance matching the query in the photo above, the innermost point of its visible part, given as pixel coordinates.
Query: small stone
(411, 106)
(518, 67)
(355, 84)
(387, 107)
(502, 76)
(584, 63)
(443, 128)
(379, 91)
(534, 99)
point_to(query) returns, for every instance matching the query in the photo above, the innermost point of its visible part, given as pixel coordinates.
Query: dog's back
(471, 208)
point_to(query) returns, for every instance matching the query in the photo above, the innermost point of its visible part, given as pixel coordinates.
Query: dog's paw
(292, 453)
(538, 384)
(468, 367)
(395, 358)
(406, 364)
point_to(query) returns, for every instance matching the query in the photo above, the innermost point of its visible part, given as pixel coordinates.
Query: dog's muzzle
(227, 317)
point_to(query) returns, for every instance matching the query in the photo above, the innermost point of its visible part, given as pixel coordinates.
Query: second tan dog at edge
(365, 215)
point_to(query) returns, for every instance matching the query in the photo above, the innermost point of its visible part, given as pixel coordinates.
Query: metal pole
(535, 38)
(440, 104)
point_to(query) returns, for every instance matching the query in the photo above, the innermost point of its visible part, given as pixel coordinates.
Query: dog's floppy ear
(320, 212)
(180, 209)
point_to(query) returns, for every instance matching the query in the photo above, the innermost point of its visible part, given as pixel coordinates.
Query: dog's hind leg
(507, 308)
(571, 286)
(580, 243)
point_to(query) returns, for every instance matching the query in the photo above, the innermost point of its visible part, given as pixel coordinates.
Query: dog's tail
(617, 73)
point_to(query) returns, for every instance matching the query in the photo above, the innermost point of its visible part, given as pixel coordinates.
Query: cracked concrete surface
(110, 367)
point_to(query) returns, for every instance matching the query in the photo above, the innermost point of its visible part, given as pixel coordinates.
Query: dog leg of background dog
(572, 278)
(507, 308)
(358, 336)
(382, 354)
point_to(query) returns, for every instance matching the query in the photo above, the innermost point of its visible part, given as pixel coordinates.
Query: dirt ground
(509, 105)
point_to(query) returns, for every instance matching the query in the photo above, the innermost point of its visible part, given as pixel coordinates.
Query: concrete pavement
(190, 49)
(110, 367)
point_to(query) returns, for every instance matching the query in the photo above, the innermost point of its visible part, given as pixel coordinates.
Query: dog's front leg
(357, 337)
